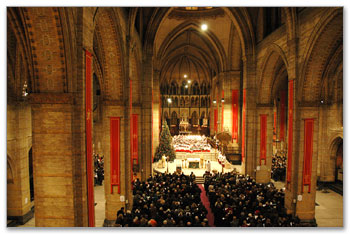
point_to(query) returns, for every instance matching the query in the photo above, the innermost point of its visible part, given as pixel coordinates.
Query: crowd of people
(98, 169)
(238, 201)
(165, 200)
(279, 164)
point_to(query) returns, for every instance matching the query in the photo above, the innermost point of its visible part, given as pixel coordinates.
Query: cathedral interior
(87, 81)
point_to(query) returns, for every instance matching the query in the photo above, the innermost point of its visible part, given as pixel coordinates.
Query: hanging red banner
(274, 125)
(234, 115)
(308, 150)
(215, 120)
(263, 130)
(243, 124)
(290, 131)
(88, 132)
(283, 115)
(115, 152)
(135, 156)
(131, 130)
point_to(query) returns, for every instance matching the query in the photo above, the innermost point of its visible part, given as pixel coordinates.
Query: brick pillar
(306, 194)
(213, 106)
(249, 76)
(292, 154)
(127, 96)
(233, 83)
(53, 156)
(263, 168)
(146, 124)
(156, 109)
(114, 201)
(19, 141)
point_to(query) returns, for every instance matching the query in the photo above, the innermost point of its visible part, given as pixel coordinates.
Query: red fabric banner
(263, 130)
(131, 129)
(308, 150)
(88, 132)
(290, 131)
(134, 151)
(235, 114)
(243, 124)
(283, 115)
(152, 127)
(274, 124)
(222, 111)
(215, 120)
(115, 152)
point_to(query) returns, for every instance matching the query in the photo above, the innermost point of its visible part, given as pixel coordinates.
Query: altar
(193, 162)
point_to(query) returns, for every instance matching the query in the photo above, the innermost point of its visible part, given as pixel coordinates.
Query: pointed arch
(323, 42)
(275, 61)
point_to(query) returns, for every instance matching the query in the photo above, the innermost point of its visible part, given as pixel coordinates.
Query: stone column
(146, 124)
(53, 156)
(213, 107)
(19, 141)
(114, 201)
(232, 82)
(249, 81)
(305, 200)
(263, 170)
(155, 112)
(291, 188)
(127, 95)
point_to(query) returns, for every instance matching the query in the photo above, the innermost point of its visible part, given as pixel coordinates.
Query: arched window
(176, 102)
(194, 119)
(192, 102)
(173, 88)
(273, 19)
(182, 102)
(173, 119)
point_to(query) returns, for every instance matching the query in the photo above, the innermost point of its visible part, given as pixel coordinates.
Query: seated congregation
(165, 200)
(238, 201)
(174, 200)
(278, 169)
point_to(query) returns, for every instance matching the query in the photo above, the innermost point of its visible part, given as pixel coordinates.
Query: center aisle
(206, 203)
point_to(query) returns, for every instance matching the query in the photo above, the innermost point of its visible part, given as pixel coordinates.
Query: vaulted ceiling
(182, 47)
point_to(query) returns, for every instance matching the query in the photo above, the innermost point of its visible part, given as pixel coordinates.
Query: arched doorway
(31, 180)
(339, 161)
(174, 130)
(273, 91)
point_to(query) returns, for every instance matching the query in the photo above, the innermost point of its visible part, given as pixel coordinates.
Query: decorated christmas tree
(165, 147)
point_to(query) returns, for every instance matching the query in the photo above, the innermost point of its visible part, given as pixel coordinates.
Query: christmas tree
(165, 147)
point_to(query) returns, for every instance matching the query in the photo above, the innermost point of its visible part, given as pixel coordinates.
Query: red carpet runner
(206, 203)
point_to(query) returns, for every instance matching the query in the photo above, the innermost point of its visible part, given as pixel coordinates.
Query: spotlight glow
(204, 27)
(189, 81)
(185, 76)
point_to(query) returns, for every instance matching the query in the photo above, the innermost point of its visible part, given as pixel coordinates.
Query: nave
(328, 211)
(266, 81)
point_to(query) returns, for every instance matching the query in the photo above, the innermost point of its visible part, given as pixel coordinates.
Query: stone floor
(329, 212)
